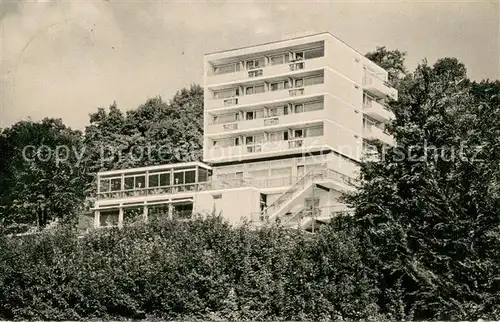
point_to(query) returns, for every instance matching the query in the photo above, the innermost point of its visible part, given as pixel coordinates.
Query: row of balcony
(262, 98)
(246, 125)
(267, 71)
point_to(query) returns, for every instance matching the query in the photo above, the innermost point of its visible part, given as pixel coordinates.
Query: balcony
(267, 71)
(377, 111)
(268, 122)
(302, 145)
(378, 87)
(373, 133)
(142, 182)
(265, 97)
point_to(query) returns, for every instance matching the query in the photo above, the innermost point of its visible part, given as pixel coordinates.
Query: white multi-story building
(286, 125)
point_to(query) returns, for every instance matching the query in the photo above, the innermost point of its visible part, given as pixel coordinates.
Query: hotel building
(286, 125)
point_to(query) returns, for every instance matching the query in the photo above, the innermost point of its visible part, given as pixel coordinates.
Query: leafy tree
(41, 178)
(155, 133)
(429, 210)
(391, 60)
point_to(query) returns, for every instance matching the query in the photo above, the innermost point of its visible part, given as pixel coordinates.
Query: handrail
(315, 211)
(300, 185)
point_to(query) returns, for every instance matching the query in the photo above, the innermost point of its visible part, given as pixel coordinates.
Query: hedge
(201, 269)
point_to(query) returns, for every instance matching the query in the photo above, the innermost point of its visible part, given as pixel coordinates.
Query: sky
(65, 59)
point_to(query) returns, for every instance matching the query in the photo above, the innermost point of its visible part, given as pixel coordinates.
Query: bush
(202, 269)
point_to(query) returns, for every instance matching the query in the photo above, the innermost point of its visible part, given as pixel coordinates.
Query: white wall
(233, 205)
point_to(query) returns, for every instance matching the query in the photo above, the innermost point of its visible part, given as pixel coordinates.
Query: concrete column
(145, 213)
(120, 217)
(97, 219)
(170, 211)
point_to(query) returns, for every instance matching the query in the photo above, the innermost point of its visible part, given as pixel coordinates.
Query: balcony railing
(255, 73)
(271, 121)
(296, 91)
(230, 127)
(231, 101)
(270, 212)
(200, 186)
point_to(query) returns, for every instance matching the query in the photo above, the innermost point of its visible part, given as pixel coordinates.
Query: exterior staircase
(276, 209)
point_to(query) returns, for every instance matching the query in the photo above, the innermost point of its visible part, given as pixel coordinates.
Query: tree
(155, 133)
(391, 60)
(41, 178)
(429, 210)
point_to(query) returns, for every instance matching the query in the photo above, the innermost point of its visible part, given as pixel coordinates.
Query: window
(178, 178)
(226, 93)
(135, 182)
(299, 82)
(298, 134)
(314, 53)
(236, 141)
(116, 184)
(254, 89)
(299, 108)
(277, 86)
(314, 131)
(140, 182)
(129, 183)
(256, 63)
(313, 80)
(226, 68)
(278, 136)
(299, 56)
(154, 180)
(249, 140)
(277, 60)
(159, 180)
(104, 185)
(313, 106)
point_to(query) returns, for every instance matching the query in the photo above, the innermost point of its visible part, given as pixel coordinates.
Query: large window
(313, 80)
(314, 53)
(135, 182)
(159, 179)
(226, 93)
(226, 68)
(110, 184)
(278, 86)
(224, 143)
(255, 63)
(279, 59)
(256, 89)
(226, 118)
(252, 115)
(308, 107)
(108, 218)
(184, 176)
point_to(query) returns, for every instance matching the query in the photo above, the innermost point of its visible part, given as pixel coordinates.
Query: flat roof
(157, 167)
(289, 39)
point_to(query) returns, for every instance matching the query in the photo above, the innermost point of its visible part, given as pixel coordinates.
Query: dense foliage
(172, 270)
(429, 211)
(40, 176)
